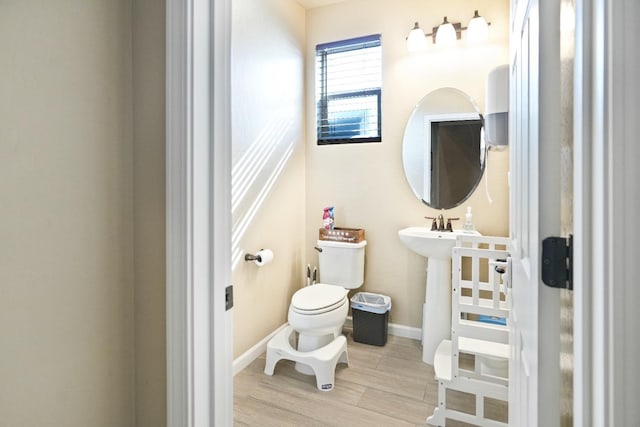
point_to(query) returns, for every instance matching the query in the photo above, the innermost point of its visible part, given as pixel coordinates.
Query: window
(349, 78)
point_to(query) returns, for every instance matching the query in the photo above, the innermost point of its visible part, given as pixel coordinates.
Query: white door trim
(606, 379)
(584, 114)
(199, 329)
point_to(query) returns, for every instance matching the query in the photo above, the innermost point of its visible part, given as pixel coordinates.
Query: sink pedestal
(436, 310)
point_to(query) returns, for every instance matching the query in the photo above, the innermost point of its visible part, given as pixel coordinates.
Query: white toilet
(318, 312)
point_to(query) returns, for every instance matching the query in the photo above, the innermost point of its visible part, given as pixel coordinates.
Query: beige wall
(366, 183)
(268, 162)
(66, 224)
(82, 213)
(149, 211)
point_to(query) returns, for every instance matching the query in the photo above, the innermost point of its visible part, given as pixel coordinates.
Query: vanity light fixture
(447, 33)
(478, 28)
(417, 39)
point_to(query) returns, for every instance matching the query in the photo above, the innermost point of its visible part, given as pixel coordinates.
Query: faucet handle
(449, 227)
(434, 224)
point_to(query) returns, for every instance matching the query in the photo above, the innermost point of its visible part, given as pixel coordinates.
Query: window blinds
(348, 90)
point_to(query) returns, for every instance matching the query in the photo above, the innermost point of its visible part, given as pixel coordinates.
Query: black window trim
(328, 141)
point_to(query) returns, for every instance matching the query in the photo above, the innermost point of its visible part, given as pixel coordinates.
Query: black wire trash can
(370, 318)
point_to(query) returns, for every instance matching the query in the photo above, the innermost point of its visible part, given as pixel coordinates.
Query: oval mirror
(442, 149)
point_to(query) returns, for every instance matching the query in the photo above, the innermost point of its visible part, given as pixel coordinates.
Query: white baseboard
(405, 331)
(256, 351)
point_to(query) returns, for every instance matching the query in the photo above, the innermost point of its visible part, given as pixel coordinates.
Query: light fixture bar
(477, 31)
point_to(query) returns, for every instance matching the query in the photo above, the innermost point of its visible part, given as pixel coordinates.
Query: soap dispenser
(468, 224)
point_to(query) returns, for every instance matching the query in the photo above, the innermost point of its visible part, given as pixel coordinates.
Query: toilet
(317, 314)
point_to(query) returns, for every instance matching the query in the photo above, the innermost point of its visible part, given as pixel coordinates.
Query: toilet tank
(341, 263)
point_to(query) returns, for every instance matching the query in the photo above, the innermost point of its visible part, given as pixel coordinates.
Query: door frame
(198, 179)
(199, 330)
(607, 199)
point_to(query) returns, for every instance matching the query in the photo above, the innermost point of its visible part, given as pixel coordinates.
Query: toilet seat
(318, 299)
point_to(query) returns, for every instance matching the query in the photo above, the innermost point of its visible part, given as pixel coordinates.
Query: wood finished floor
(383, 386)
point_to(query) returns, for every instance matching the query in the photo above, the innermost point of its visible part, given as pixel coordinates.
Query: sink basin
(430, 244)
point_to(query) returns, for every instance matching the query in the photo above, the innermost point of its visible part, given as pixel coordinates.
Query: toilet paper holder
(262, 257)
(250, 257)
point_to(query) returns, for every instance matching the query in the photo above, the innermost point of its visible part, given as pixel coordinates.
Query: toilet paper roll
(265, 256)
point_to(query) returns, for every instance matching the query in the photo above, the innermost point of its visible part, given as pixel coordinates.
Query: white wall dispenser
(496, 117)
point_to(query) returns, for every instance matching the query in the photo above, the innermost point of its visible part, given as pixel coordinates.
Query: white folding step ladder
(479, 312)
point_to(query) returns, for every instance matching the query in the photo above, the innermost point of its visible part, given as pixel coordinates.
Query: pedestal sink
(436, 311)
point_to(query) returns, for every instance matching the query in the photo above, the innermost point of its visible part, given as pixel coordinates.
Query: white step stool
(323, 360)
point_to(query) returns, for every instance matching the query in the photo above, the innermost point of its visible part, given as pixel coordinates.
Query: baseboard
(405, 331)
(256, 351)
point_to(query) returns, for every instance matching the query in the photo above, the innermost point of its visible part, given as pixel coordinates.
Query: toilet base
(321, 361)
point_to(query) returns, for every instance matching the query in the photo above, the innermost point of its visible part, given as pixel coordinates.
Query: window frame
(322, 103)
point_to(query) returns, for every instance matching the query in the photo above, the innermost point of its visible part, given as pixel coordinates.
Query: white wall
(366, 182)
(66, 224)
(268, 162)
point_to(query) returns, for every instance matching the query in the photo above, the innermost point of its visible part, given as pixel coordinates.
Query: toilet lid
(318, 298)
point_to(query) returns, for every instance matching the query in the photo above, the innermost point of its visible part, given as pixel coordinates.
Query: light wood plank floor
(383, 386)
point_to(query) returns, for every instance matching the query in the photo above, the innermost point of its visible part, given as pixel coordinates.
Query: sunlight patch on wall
(255, 174)
(246, 171)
